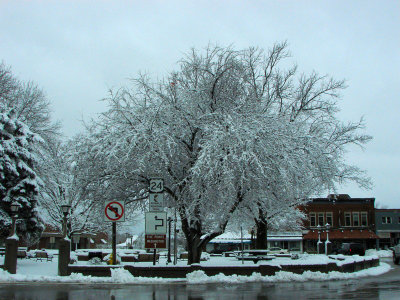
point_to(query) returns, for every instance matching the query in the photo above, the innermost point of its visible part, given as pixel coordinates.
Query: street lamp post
(327, 242)
(10, 259)
(319, 243)
(64, 246)
(14, 211)
(75, 239)
(65, 209)
(169, 240)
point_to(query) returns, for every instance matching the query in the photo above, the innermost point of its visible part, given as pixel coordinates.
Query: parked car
(277, 250)
(396, 254)
(351, 249)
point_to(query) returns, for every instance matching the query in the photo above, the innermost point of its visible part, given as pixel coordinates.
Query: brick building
(51, 236)
(387, 227)
(350, 220)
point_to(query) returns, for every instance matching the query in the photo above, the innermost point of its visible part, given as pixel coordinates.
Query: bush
(95, 261)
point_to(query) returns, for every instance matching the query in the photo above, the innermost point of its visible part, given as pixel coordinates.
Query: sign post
(156, 218)
(114, 212)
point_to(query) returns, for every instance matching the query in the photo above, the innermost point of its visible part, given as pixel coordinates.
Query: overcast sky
(77, 50)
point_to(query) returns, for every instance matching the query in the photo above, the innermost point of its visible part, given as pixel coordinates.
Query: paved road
(384, 287)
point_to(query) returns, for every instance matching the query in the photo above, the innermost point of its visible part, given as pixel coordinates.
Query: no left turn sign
(114, 211)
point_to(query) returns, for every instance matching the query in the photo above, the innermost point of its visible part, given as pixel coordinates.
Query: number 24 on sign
(156, 185)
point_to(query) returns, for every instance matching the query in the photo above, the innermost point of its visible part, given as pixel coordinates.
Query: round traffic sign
(114, 211)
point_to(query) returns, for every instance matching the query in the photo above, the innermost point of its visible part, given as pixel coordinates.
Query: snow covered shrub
(95, 261)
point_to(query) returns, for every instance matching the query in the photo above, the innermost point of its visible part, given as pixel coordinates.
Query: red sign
(155, 241)
(114, 211)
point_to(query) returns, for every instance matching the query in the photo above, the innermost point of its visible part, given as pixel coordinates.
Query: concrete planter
(182, 271)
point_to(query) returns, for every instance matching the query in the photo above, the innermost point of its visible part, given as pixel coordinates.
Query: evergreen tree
(18, 179)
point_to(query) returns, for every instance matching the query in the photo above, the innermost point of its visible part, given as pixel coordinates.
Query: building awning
(284, 238)
(229, 241)
(346, 234)
(384, 235)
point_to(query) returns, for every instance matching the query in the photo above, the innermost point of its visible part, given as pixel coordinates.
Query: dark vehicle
(351, 249)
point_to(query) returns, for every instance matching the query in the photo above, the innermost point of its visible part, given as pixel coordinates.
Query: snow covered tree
(29, 105)
(18, 180)
(28, 102)
(63, 185)
(73, 175)
(228, 131)
(309, 100)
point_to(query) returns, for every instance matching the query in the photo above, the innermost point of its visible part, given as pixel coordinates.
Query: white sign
(156, 222)
(114, 211)
(156, 185)
(156, 202)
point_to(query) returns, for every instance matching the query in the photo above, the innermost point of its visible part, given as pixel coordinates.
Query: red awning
(346, 234)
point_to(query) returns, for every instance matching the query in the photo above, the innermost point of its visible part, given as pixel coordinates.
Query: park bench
(41, 255)
(142, 257)
(185, 255)
(254, 255)
(21, 253)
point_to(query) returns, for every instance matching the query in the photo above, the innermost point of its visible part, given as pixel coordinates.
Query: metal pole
(241, 241)
(14, 224)
(169, 240)
(65, 226)
(175, 248)
(114, 243)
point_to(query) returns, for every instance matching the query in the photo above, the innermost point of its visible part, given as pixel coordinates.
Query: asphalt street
(386, 286)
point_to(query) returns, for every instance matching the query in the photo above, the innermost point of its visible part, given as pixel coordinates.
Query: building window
(364, 219)
(347, 219)
(329, 218)
(321, 219)
(356, 219)
(313, 220)
(386, 220)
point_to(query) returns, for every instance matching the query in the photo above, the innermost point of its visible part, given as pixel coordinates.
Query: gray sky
(77, 50)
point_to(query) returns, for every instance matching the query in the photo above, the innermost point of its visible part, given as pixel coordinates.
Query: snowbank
(122, 276)
(379, 253)
(200, 277)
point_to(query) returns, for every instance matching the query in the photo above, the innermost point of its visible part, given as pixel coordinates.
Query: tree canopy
(230, 130)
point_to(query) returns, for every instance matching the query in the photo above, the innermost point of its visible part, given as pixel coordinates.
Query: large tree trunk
(261, 234)
(194, 243)
(194, 250)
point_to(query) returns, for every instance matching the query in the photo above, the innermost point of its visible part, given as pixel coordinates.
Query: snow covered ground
(29, 270)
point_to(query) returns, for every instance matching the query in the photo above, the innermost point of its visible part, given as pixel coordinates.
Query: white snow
(379, 253)
(200, 277)
(29, 270)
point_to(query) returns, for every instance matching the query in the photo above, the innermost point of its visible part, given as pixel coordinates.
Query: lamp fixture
(14, 207)
(65, 208)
